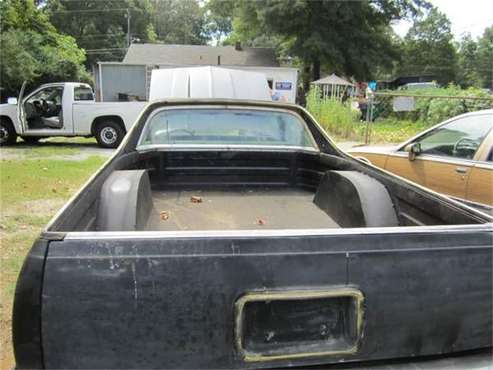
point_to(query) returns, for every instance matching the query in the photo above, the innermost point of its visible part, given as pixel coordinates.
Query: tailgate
(265, 299)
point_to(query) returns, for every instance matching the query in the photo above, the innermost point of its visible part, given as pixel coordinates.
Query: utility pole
(129, 40)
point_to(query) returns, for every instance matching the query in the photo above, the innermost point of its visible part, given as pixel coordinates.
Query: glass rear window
(83, 93)
(226, 127)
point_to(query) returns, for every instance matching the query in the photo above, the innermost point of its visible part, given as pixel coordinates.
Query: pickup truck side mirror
(12, 101)
(414, 149)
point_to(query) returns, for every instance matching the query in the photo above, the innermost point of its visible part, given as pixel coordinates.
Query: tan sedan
(454, 157)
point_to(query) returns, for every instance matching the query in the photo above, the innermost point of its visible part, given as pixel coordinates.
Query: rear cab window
(83, 93)
(226, 127)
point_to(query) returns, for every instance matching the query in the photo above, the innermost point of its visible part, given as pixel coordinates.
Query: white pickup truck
(66, 109)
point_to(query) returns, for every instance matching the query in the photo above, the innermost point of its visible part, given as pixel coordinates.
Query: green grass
(42, 179)
(390, 131)
(31, 192)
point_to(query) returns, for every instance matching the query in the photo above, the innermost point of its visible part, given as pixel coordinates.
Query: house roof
(332, 80)
(183, 55)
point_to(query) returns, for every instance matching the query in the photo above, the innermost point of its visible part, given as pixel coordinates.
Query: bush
(337, 118)
(432, 109)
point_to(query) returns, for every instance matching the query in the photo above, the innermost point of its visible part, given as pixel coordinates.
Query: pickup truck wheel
(31, 139)
(109, 134)
(8, 136)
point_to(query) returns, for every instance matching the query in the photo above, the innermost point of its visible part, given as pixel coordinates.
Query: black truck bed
(237, 208)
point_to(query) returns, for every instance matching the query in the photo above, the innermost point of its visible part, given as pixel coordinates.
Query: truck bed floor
(237, 209)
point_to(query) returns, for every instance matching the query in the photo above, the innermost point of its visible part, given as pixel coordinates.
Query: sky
(471, 16)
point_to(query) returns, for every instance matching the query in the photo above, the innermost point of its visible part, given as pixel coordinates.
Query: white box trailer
(122, 81)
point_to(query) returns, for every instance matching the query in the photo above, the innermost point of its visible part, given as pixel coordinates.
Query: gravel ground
(54, 150)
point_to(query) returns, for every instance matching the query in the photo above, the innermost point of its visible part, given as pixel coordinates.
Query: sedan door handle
(461, 170)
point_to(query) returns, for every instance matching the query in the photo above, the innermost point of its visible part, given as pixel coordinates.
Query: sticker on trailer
(284, 85)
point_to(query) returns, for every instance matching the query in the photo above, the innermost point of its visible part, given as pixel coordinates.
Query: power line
(92, 10)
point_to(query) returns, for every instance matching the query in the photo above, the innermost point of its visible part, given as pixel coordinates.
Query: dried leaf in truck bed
(195, 199)
(164, 215)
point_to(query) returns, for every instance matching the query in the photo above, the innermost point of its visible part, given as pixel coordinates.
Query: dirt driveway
(55, 148)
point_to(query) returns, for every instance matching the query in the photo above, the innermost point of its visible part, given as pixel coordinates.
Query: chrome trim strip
(484, 165)
(483, 207)
(224, 147)
(437, 158)
(121, 235)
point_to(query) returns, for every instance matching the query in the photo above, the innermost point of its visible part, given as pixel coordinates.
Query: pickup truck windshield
(220, 126)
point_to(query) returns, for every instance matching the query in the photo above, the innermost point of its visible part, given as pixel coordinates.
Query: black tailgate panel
(155, 303)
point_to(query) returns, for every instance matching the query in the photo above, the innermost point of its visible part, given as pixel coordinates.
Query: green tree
(485, 58)
(428, 48)
(350, 37)
(101, 27)
(467, 72)
(219, 18)
(33, 51)
(181, 22)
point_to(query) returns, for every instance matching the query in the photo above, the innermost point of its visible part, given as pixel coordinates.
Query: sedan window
(221, 126)
(460, 138)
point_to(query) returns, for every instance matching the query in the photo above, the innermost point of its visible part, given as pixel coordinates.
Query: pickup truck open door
(20, 111)
(47, 111)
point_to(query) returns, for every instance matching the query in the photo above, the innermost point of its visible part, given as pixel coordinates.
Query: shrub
(337, 118)
(431, 108)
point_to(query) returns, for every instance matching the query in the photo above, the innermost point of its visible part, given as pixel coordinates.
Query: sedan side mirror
(12, 101)
(414, 149)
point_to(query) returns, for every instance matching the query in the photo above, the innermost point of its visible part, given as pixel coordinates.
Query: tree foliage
(467, 71)
(180, 22)
(484, 54)
(32, 49)
(428, 48)
(350, 37)
(100, 27)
